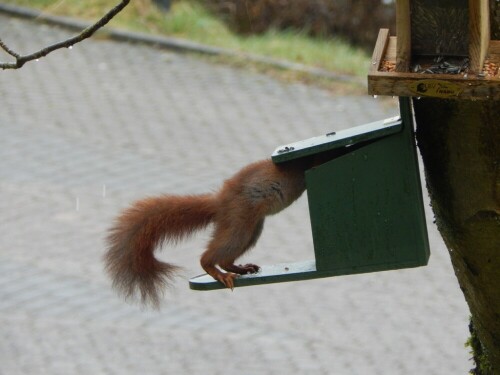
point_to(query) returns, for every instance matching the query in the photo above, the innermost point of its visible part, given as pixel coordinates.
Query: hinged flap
(333, 140)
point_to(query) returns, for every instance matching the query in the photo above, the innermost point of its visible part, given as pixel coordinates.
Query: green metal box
(365, 204)
(366, 208)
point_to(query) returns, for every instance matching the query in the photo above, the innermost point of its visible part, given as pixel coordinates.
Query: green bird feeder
(365, 206)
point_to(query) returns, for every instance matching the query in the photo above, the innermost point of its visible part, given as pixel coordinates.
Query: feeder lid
(334, 140)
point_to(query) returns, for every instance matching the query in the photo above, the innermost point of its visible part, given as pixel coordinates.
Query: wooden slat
(451, 86)
(379, 50)
(390, 54)
(479, 29)
(494, 47)
(403, 32)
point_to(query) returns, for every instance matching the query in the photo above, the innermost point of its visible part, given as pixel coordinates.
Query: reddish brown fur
(237, 211)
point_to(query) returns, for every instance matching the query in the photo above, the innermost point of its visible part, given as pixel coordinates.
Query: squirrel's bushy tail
(143, 227)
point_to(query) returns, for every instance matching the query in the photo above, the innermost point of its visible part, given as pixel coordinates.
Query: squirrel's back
(265, 185)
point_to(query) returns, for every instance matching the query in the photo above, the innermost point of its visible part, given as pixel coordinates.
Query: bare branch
(86, 33)
(8, 50)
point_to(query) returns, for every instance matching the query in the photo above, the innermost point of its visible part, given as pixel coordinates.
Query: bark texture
(460, 146)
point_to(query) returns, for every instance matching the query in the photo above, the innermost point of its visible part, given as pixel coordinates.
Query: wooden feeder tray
(443, 49)
(419, 81)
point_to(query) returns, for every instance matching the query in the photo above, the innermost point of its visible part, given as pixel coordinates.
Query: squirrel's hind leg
(227, 245)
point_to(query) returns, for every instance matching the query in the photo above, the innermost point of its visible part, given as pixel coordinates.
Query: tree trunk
(460, 142)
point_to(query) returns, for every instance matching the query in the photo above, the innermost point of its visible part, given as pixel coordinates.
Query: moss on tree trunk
(460, 146)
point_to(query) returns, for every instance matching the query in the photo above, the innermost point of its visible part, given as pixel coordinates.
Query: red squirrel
(237, 212)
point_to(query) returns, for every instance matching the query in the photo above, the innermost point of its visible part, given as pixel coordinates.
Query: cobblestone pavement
(85, 131)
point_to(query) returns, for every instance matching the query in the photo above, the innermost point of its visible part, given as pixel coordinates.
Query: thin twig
(86, 33)
(8, 50)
